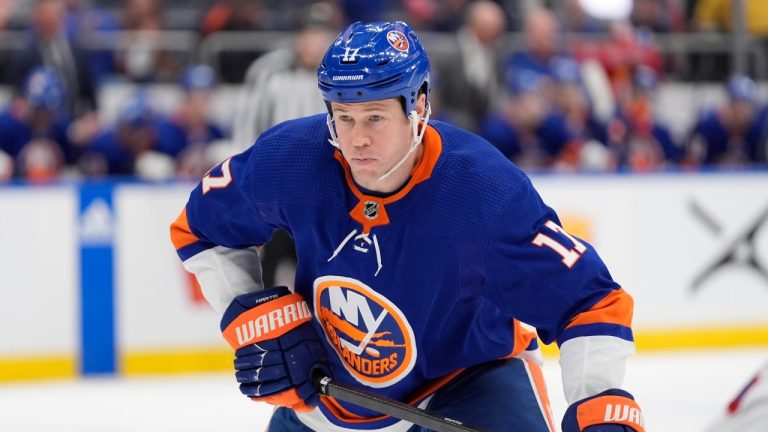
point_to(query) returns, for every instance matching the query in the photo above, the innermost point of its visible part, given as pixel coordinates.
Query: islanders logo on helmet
(375, 61)
(370, 335)
(398, 40)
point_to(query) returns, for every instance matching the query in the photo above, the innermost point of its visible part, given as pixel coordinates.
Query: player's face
(373, 137)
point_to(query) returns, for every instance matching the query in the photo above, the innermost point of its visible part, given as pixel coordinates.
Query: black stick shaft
(365, 399)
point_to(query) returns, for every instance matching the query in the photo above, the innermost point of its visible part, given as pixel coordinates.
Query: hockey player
(421, 249)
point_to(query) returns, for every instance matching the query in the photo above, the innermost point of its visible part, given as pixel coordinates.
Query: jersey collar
(370, 210)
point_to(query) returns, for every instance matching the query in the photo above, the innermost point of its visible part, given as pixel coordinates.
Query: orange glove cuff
(610, 410)
(268, 321)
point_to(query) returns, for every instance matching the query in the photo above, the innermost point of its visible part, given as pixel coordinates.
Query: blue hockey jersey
(409, 289)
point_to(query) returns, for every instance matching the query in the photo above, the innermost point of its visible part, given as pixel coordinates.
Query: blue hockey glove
(276, 347)
(613, 410)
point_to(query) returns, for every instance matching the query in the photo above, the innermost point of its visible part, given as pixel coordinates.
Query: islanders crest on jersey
(371, 336)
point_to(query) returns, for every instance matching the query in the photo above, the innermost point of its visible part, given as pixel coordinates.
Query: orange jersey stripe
(523, 338)
(541, 390)
(181, 234)
(615, 308)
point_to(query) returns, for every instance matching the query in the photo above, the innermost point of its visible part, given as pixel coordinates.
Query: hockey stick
(390, 407)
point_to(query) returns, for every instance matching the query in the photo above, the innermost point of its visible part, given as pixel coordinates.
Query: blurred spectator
(234, 15)
(7, 10)
(41, 160)
(659, 16)
(637, 140)
(336, 13)
(733, 134)
(143, 15)
(435, 15)
(33, 131)
(578, 20)
(6, 167)
(419, 13)
(468, 76)
(143, 58)
(525, 129)
(451, 15)
(282, 84)
(49, 44)
(620, 55)
(372, 10)
(570, 99)
(515, 12)
(190, 126)
(82, 21)
(139, 144)
(542, 34)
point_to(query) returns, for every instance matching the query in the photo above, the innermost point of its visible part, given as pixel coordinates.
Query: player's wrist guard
(276, 347)
(613, 410)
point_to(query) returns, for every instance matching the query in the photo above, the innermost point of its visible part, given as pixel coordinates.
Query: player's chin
(367, 179)
(365, 173)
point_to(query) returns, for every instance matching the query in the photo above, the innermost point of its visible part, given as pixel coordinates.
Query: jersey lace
(362, 237)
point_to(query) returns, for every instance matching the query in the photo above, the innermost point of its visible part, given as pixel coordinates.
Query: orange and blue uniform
(413, 290)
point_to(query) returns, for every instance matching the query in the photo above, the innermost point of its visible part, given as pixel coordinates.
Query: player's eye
(344, 118)
(375, 118)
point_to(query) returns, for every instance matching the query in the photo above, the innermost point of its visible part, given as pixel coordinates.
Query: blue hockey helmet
(43, 89)
(375, 61)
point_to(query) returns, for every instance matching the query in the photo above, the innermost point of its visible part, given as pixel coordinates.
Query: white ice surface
(678, 392)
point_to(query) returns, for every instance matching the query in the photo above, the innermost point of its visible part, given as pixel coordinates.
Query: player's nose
(359, 137)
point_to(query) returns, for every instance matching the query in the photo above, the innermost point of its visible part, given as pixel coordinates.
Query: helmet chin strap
(417, 136)
(334, 139)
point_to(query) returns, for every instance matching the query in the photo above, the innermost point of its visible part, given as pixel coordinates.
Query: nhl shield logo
(371, 210)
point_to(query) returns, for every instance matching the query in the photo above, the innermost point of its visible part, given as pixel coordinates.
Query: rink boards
(91, 284)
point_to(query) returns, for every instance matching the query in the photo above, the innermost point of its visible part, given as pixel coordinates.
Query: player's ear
(421, 104)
